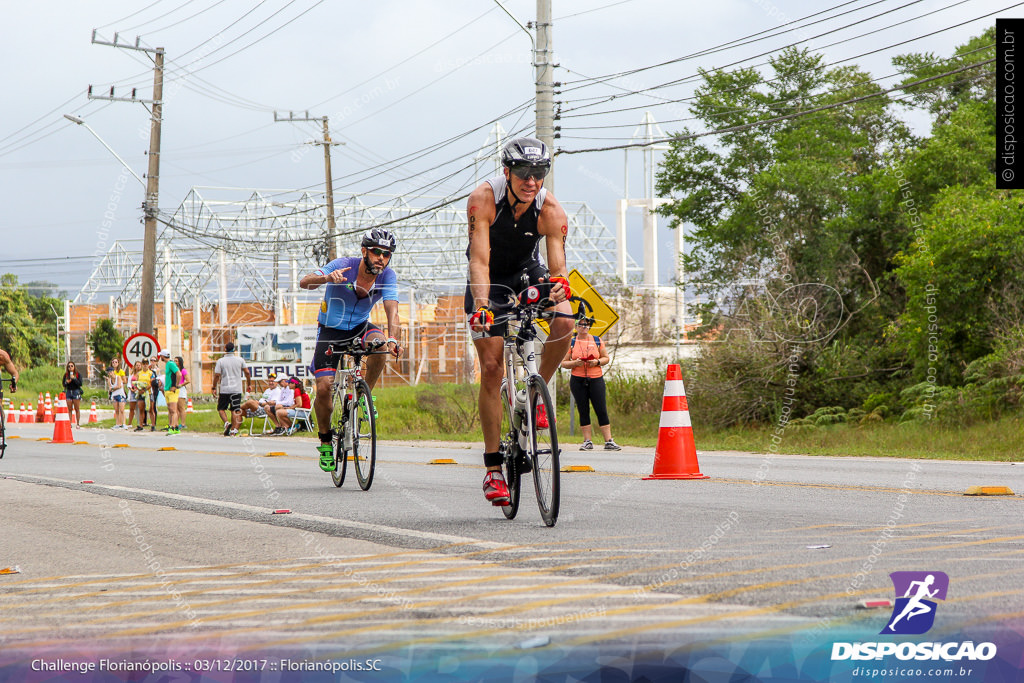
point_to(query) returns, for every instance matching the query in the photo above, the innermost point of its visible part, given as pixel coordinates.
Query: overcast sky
(394, 77)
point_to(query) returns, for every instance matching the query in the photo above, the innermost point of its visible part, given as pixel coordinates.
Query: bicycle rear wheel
(509, 448)
(339, 423)
(364, 435)
(543, 450)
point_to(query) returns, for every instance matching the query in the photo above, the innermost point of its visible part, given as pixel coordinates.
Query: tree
(105, 340)
(962, 277)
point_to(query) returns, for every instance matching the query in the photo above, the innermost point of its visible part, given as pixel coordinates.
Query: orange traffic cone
(62, 423)
(12, 414)
(93, 415)
(26, 413)
(39, 409)
(189, 408)
(48, 413)
(675, 456)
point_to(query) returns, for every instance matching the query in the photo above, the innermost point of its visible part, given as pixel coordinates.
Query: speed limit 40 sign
(139, 346)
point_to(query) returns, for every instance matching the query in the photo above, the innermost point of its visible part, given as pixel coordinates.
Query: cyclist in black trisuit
(508, 215)
(7, 364)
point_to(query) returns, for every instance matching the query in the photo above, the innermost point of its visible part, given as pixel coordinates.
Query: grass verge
(448, 413)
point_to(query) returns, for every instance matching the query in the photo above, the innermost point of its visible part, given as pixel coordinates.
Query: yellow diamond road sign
(603, 314)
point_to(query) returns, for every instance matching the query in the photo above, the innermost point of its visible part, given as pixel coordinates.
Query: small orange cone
(189, 408)
(26, 413)
(93, 415)
(12, 414)
(675, 456)
(48, 413)
(39, 409)
(62, 423)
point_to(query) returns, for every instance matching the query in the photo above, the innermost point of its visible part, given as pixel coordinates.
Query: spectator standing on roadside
(130, 380)
(156, 387)
(172, 381)
(182, 392)
(115, 385)
(143, 393)
(586, 356)
(72, 383)
(227, 385)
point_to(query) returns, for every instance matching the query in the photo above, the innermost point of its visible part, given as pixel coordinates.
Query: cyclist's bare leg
(323, 402)
(375, 362)
(557, 342)
(490, 351)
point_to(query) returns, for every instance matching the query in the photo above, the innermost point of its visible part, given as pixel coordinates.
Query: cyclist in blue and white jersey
(354, 285)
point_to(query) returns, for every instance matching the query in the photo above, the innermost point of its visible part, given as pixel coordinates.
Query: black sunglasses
(527, 172)
(380, 252)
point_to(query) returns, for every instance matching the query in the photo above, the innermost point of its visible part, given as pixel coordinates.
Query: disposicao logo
(916, 592)
(914, 614)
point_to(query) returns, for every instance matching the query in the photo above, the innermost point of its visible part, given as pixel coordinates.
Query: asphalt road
(181, 548)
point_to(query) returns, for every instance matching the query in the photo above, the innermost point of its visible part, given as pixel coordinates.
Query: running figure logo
(914, 612)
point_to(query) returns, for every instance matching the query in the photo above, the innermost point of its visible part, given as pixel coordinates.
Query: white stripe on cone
(674, 387)
(674, 418)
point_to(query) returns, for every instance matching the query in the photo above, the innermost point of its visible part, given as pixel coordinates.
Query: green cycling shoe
(327, 463)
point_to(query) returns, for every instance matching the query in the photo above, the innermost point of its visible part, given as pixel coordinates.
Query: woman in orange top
(586, 357)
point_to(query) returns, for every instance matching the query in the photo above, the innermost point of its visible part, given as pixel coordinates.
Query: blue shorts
(73, 394)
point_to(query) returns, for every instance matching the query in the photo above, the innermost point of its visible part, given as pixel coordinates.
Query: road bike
(3, 418)
(354, 419)
(526, 443)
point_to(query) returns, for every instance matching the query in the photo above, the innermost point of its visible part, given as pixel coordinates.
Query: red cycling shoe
(495, 488)
(542, 417)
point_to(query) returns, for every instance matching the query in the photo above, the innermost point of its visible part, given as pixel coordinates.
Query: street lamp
(148, 285)
(80, 122)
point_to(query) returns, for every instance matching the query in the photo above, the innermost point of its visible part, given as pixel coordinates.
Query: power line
(833, 44)
(150, 21)
(737, 42)
(138, 11)
(777, 119)
(768, 105)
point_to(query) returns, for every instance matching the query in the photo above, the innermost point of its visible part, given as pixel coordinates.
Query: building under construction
(230, 258)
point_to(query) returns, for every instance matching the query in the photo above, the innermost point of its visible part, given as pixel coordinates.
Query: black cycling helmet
(525, 152)
(379, 237)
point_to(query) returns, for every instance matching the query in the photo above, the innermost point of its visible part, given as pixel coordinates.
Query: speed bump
(275, 454)
(80, 443)
(578, 468)
(167, 448)
(120, 445)
(988, 491)
(443, 461)
(42, 438)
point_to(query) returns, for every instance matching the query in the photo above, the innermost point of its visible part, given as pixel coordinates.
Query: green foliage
(869, 258)
(27, 330)
(106, 341)
(453, 407)
(962, 278)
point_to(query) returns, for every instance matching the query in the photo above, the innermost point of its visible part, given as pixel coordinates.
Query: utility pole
(332, 248)
(150, 206)
(542, 60)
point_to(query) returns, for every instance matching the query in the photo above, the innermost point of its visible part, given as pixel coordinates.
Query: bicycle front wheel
(543, 449)
(509, 450)
(339, 425)
(364, 435)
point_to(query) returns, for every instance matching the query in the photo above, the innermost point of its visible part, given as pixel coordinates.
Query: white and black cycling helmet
(529, 152)
(379, 237)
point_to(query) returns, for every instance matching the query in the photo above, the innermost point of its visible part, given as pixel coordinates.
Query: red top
(586, 349)
(301, 399)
